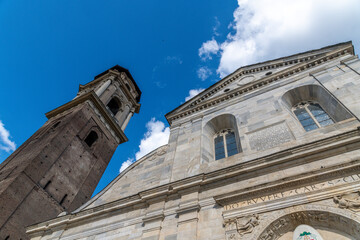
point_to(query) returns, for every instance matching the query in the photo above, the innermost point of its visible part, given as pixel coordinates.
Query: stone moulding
(102, 119)
(300, 67)
(109, 121)
(194, 206)
(275, 225)
(292, 154)
(299, 199)
(249, 70)
(348, 201)
(115, 75)
(153, 217)
(352, 168)
(188, 221)
(287, 155)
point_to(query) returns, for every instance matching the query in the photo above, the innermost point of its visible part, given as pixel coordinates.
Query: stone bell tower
(58, 168)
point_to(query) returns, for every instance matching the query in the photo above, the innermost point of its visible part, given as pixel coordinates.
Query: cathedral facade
(271, 151)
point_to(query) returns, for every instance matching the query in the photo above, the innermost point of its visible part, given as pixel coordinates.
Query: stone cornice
(153, 217)
(306, 153)
(128, 94)
(91, 96)
(301, 193)
(311, 178)
(302, 65)
(184, 208)
(314, 150)
(99, 79)
(117, 77)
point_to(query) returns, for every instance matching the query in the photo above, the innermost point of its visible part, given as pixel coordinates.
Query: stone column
(122, 115)
(102, 89)
(129, 116)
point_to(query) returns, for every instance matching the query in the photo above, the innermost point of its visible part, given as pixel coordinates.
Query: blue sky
(172, 49)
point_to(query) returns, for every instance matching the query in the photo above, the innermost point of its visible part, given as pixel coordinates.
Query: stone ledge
(91, 96)
(184, 208)
(288, 155)
(153, 217)
(188, 221)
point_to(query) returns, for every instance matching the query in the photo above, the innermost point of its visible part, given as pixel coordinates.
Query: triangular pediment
(257, 75)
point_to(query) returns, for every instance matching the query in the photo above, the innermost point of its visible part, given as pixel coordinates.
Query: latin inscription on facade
(296, 191)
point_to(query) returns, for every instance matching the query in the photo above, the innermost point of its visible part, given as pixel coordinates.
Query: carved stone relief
(329, 219)
(159, 152)
(289, 222)
(274, 224)
(239, 227)
(349, 201)
(246, 225)
(162, 150)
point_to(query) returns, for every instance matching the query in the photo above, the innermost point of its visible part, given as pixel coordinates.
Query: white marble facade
(283, 176)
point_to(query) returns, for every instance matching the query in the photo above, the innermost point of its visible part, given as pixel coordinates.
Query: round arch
(213, 126)
(335, 220)
(317, 94)
(114, 105)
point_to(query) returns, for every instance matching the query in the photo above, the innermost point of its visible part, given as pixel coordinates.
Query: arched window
(311, 115)
(314, 107)
(225, 144)
(220, 138)
(91, 138)
(114, 105)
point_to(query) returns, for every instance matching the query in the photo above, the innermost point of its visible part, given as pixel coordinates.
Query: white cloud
(216, 27)
(173, 59)
(203, 73)
(193, 93)
(125, 164)
(156, 135)
(5, 142)
(208, 48)
(264, 30)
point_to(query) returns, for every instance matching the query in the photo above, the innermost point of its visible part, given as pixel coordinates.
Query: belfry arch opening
(114, 105)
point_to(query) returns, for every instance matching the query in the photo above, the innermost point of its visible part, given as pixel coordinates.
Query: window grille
(311, 115)
(225, 144)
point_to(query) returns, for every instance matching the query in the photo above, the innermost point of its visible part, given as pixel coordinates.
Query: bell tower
(58, 168)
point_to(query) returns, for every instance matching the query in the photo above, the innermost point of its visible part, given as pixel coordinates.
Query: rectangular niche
(270, 136)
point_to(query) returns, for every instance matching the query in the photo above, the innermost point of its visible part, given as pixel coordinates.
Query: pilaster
(188, 213)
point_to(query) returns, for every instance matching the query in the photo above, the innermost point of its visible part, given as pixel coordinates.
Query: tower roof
(121, 69)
